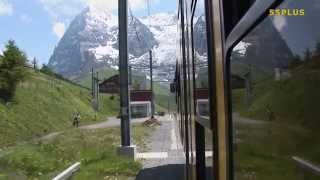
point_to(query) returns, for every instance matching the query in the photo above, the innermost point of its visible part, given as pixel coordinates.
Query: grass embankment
(264, 151)
(44, 104)
(95, 149)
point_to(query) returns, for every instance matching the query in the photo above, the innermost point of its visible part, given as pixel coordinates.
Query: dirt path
(111, 122)
(237, 118)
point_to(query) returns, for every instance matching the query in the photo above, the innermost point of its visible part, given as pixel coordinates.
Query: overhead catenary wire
(134, 26)
(149, 19)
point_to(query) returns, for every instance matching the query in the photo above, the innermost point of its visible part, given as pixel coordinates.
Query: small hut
(111, 85)
(140, 103)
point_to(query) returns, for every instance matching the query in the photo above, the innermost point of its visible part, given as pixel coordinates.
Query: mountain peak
(91, 40)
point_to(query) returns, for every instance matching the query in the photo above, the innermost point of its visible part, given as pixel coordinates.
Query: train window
(201, 86)
(275, 80)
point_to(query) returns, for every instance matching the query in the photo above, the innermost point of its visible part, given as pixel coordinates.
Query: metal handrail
(68, 172)
(307, 165)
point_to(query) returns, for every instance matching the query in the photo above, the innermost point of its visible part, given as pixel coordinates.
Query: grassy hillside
(293, 100)
(44, 104)
(290, 111)
(95, 149)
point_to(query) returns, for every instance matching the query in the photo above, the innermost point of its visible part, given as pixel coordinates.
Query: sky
(38, 25)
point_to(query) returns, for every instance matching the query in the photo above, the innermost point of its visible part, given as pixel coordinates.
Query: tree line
(307, 56)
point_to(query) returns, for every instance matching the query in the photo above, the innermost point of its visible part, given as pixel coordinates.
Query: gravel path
(165, 158)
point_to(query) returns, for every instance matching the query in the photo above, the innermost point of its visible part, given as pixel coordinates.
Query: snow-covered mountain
(92, 41)
(164, 28)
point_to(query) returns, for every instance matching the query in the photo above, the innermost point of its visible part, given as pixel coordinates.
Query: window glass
(275, 81)
(200, 58)
(201, 61)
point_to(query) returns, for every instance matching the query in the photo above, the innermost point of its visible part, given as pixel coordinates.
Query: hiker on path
(76, 120)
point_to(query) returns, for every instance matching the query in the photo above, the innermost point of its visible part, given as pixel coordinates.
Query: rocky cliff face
(92, 41)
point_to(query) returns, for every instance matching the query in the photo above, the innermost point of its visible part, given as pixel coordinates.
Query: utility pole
(126, 149)
(151, 85)
(92, 83)
(130, 76)
(97, 91)
(169, 104)
(34, 63)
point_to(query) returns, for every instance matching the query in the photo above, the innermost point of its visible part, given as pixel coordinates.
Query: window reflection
(275, 75)
(201, 91)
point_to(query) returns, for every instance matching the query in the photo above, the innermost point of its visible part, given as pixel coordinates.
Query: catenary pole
(97, 92)
(123, 68)
(92, 83)
(151, 85)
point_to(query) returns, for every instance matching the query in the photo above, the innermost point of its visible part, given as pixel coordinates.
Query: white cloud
(137, 4)
(61, 9)
(280, 22)
(58, 29)
(113, 4)
(25, 18)
(5, 8)
(141, 4)
(103, 4)
(64, 10)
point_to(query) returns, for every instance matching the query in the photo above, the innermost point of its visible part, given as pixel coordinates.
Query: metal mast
(123, 68)
(151, 85)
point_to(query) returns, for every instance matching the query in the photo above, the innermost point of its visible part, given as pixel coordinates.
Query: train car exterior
(247, 89)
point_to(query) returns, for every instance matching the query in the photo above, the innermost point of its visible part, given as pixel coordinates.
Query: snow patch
(101, 51)
(241, 47)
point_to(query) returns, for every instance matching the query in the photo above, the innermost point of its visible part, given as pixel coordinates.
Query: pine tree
(12, 70)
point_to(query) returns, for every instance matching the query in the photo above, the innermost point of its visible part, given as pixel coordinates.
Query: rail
(68, 172)
(307, 165)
